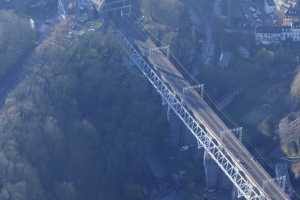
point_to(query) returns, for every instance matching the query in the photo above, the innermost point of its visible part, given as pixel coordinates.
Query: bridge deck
(202, 111)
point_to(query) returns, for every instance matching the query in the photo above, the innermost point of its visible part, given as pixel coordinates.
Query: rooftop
(292, 12)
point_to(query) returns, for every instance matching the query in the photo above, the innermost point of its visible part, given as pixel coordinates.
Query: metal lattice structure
(124, 6)
(238, 176)
(61, 9)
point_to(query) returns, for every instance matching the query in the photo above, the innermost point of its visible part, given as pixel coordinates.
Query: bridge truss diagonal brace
(233, 171)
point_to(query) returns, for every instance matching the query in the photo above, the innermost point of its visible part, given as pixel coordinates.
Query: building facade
(284, 5)
(291, 17)
(276, 34)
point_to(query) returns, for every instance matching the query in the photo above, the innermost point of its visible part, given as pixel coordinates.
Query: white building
(284, 5)
(291, 17)
(276, 34)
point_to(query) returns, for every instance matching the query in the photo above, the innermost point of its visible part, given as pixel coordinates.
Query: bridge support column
(126, 10)
(283, 178)
(124, 6)
(236, 194)
(281, 181)
(174, 133)
(179, 134)
(199, 88)
(160, 50)
(165, 104)
(61, 10)
(211, 172)
(214, 178)
(238, 132)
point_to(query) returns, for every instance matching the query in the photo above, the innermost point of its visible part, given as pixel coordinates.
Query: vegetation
(265, 57)
(36, 9)
(81, 122)
(166, 12)
(295, 88)
(17, 38)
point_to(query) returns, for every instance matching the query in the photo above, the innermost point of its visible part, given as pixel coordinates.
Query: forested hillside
(78, 126)
(33, 8)
(17, 38)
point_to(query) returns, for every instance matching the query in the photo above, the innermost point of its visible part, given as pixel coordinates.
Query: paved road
(201, 110)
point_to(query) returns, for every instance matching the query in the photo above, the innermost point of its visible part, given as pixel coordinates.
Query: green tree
(16, 39)
(295, 88)
(265, 57)
(167, 12)
(266, 126)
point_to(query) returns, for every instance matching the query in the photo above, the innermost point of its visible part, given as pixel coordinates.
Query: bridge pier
(283, 178)
(181, 140)
(211, 172)
(61, 11)
(180, 136)
(235, 194)
(214, 177)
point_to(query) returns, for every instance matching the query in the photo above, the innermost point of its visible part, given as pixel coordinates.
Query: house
(244, 52)
(268, 35)
(284, 5)
(275, 34)
(291, 17)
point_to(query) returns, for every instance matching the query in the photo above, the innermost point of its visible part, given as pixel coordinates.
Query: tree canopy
(16, 39)
(78, 125)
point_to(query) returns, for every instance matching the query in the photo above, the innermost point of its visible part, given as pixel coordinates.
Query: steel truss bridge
(246, 174)
(231, 156)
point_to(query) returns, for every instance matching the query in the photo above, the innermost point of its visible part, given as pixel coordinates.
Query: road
(201, 110)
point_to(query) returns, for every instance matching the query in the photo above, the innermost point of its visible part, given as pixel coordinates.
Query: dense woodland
(79, 121)
(14, 44)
